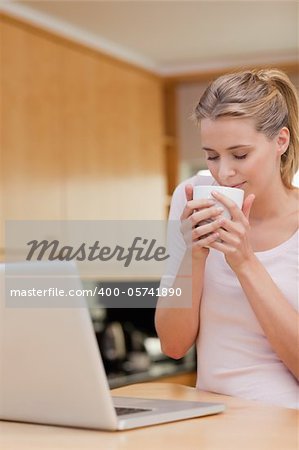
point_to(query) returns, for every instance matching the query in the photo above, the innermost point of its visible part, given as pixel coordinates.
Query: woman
(244, 314)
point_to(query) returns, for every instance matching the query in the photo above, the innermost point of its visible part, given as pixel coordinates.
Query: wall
(81, 134)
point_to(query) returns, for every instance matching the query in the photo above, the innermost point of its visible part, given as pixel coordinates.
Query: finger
(189, 196)
(229, 238)
(233, 208)
(247, 205)
(202, 230)
(187, 211)
(205, 214)
(230, 205)
(195, 204)
(207, 241)
(189, 192)
(221, 246)
(201, 203)
(236, 228)
(193, 222)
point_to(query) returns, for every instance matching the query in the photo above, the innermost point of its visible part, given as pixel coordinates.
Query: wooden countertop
(245, 425)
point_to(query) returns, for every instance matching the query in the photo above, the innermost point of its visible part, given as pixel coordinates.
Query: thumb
(247, 205)
(189, 192)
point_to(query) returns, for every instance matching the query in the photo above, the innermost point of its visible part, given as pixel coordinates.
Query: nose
(226, 171)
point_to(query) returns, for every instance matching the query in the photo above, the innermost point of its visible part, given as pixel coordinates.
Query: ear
(283, 140)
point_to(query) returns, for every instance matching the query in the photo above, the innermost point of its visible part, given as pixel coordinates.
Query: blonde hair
(269, 97)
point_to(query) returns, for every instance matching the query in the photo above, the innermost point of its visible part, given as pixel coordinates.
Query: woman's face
(239, 156)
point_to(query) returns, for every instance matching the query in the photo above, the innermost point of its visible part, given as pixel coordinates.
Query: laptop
(52, 371)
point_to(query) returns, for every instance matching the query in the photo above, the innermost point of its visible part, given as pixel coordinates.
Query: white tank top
(234, 356)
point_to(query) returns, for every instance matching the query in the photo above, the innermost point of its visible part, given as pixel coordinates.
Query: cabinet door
(81, 133)
(31, 153)
(113, 125)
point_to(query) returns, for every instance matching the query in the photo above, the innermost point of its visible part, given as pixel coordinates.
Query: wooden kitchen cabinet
(81, 133)
(31, 169)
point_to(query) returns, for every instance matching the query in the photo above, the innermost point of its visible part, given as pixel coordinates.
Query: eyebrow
(234, 147)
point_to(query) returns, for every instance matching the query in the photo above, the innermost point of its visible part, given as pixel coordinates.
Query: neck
(272, 203)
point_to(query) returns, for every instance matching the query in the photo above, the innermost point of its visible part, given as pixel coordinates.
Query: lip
(238, 185)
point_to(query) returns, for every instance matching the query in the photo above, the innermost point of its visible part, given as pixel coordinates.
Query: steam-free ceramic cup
(235, 194)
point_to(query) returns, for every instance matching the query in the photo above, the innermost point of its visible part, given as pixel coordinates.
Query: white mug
(235, 194)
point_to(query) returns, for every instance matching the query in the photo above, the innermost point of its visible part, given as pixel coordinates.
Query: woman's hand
(196, 232)
(233, 232)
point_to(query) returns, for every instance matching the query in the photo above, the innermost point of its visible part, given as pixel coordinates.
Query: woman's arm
(177, 318)
(276, 316)
(178, 327)
(279, 320)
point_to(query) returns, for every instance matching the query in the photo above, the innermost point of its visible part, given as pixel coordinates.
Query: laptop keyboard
(120, 411)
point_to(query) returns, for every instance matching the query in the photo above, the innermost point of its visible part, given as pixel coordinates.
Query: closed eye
(241, 156)
(210, 158)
